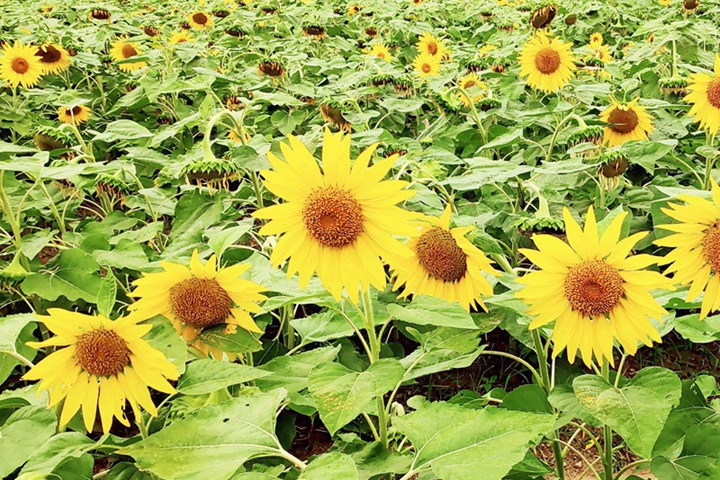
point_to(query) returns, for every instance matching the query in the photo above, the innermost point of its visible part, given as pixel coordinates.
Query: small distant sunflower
(471, 83)
(705, 98)
(198, 297)
(74, 115)
(19, 65)
(695, 258)
(665, 3)
(338, 222)
(200, 20)
(626, 122)
(53, 58)
(101, 364)
(596, 40)
(593, 290)
(426, 65)
(271, 68)
(444, 265)
(123, 50)
(432, 46)
(181, 36)
(547, 63)
(381, 51)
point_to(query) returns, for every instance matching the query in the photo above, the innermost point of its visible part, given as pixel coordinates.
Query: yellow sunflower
(102, 364)
(338, 222)
(53, 58)
(695, 257)
(381, 51)
(596, 40)
(626, 122)
(431, 45)
(705, 98)
(200, 20)
(547, 63)
(123, 50)
(474, 87)
(426, 65)
(664, 3)
(19, 65)
(593, 290)
(198, 297)
(181, 37)
(74, 115)
(444, 265)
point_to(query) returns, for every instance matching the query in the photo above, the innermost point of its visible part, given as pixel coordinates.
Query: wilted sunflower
(123, 50)
(379, 50)
(474, 87)
(593, 290)
(53, 58)
(705, 98)
(612, 165)
(99, 14)
(432, 46)
(444, 265)
(198, 297)
(199, 20)
(543, 16)
(426, 65)
(316, 32)
(271, 68)
(691, 5)
(181, 36)
(338, 222)
(695, 258)
(331, 112)
(19, 65)
(101, 365)
(74, 115)
(626, 122)
(547, 63)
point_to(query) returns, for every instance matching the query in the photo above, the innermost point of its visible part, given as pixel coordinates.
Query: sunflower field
(359, 240)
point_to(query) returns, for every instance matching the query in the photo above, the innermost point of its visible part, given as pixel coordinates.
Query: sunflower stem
(369, 319)
(19, 357)
(709, 163)
(607, 431)
(674, 59)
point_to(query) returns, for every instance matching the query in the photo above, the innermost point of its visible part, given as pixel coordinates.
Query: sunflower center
(432, 48)
(547, 60)
(200, 18)
(128, 51)
(200, 302)
(713, 92)
(440, 255)
(426, 68)
(711, 247)
(75, 110)
(48, 54)
(623, 121)
(333, 217)
(593, 288)
(19, 65)
(101, 352)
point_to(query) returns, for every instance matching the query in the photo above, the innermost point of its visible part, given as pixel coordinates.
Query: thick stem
(369, 320)
(607, 432)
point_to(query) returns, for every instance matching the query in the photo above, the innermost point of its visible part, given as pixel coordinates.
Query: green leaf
(215, 439)
(457, 443)
(107, 294)
(424, 310)
(699, 459)
(164, 337)
(331, 466)
(123, 130)
(76, 279)
(698, 331)
(206, 376)
(241, 341)
(291, 372)
(638, 411)
(441, 349)
(127, 471)
(56, 450)
(22, 435)
(15, 330)
(374, 459)
(342, 394)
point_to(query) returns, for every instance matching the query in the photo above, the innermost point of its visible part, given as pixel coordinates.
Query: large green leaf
(457, 443)
(342, 394)
(331, 466)
(22, 435)
(699, 459)
(76, 279)
(424, 310)
(56, 450)
(291, 372)
(206, 376)
(637, 411)
(15, 330)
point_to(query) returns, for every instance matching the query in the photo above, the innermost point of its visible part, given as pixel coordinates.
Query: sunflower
(695, 257)
(690, 5)
(122, 50)
(74, 115)
(471, 83)
(200, 20)
(180, 37)
(431, 45)
(426, 65)
(198, 297)
(705, 98)
(19, 65)
(665, 3)
(102, 364)
(379, 50)
(444, 265)
(53, 58)
(593, 290)
(338, 222)
(626, 122)
(596, 40)
(547, 63)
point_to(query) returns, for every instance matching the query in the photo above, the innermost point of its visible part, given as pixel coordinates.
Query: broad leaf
(331, 466)
(206, 376)
(424, 310)
(22, 435)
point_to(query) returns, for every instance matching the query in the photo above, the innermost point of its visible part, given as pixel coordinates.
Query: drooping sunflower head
(343, 215)
(431, 45)
(151, 31)
(613, 164)
(543, 16)
(271, 68)
(473, 87)
(314, 31)
(426, 65)
(200, 20)
(674, 86)
(100, 365)
(380, 50)
(181, 36)
(99, 14)
(705, 98)
(331, 112)
(74, 115)
(47, 140)
(199, 297)
(593, 289)
(215, 174)
(20, 65)
(691, 5)
(123, 50)
(626, 121)
(444, 264)
(547, 63)
(54, 58)
(371, 32)
(571, 19)
(403, 86)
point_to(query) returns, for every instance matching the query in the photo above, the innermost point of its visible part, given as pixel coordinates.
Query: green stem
(674, 59)
(607, 432)
(519, 360)
(7, 209)
(19, 357)
(709, 164)
(369, 319)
